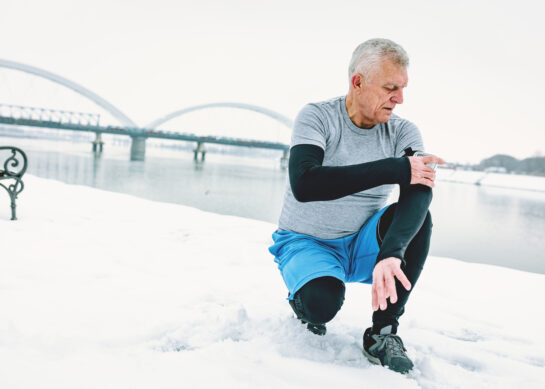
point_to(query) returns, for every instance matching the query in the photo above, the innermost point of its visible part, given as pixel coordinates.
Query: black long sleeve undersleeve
(310, 181)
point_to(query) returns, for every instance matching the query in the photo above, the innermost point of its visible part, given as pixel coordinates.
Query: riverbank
(100, 289)
(498, 180)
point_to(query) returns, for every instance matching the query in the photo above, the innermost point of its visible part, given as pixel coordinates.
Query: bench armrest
(14, 165)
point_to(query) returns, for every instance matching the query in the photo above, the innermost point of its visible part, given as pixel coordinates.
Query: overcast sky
(476, 85)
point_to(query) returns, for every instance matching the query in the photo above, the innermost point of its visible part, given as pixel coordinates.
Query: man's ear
(357, 81)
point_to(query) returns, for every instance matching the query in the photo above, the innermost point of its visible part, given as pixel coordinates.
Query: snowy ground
(105, 290)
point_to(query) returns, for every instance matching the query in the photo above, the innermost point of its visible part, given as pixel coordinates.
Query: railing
(19, 112)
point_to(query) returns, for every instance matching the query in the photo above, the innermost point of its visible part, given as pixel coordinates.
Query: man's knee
(319, 300)
(387, 218)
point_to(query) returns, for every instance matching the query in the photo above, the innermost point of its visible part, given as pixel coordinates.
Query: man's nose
(397, 98)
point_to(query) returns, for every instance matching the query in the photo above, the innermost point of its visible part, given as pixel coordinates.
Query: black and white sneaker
(386, 349)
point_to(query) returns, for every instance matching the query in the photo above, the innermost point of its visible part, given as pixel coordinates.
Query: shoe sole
(371, 358)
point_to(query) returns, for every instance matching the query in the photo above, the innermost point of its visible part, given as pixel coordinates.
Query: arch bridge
(41, 117)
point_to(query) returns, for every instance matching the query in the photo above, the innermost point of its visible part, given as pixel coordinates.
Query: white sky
(476, 86)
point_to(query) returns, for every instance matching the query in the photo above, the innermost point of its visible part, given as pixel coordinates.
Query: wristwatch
(423, 154)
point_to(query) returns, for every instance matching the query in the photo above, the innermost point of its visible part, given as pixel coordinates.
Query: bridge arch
(124, 119)
(249, 107)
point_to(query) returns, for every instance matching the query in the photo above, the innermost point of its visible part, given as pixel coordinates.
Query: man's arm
(409, 215)
(310, 181)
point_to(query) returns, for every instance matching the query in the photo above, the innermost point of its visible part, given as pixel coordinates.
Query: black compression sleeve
(410, 212)
(310, 181)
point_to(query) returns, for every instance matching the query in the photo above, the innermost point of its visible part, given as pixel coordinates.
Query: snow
(512, 181)
(106, 290)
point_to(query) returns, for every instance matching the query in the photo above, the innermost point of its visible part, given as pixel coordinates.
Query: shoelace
(393, 344)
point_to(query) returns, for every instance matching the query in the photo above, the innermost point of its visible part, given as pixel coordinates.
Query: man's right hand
(421, 173)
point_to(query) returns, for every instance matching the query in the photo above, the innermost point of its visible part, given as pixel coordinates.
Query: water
(504, 227)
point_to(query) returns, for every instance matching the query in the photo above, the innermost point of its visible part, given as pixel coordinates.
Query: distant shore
(501, 180)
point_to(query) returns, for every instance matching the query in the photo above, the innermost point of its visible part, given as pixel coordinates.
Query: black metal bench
(14, 166)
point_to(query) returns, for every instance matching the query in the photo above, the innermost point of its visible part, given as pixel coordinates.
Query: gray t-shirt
(327, 125)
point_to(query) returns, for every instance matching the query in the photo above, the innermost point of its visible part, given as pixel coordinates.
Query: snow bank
(105, 290)
(512, 181)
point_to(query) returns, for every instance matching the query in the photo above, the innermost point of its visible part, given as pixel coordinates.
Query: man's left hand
(384, 282)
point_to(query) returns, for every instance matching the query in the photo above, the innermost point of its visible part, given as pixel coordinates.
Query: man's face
(377, 98)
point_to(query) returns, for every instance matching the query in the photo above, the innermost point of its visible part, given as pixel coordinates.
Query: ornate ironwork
(13, 169)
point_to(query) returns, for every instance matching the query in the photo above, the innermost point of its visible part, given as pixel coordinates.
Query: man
(346, 155)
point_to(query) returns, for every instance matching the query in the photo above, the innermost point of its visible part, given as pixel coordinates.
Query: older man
(346, 155)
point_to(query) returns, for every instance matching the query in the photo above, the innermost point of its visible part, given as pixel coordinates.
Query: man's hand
(421, 173)
(384, 282)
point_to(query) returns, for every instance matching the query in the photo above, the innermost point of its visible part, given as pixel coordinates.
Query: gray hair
(371, 53)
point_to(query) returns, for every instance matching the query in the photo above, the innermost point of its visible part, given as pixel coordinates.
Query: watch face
(422, 154)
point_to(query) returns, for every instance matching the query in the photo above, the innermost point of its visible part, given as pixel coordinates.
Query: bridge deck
(143, 132)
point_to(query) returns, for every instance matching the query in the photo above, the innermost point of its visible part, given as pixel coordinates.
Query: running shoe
(386, 349)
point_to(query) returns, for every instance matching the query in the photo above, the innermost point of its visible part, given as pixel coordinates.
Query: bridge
(18, 115)
(77, 121)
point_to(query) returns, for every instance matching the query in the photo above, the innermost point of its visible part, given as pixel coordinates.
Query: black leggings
(319, 300)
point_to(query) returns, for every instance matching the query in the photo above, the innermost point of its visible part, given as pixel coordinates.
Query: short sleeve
(408, 135)
(310, 127)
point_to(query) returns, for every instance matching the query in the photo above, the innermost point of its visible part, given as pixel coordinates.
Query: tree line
(532, 165)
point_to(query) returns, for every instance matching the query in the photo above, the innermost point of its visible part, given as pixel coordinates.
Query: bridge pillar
(285, 159)
(98, 143)
(200, 149)
(138, 148)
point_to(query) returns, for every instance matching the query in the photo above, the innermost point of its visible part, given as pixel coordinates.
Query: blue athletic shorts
(302, 258)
